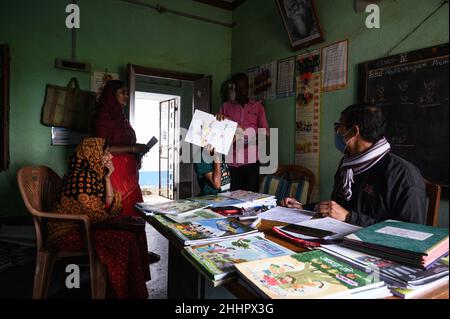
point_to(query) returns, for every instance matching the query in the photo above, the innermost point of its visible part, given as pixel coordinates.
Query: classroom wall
(259, 37)
(112, 34)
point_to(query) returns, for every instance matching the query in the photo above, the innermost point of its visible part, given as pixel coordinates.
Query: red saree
(120, 242)
(112, 125)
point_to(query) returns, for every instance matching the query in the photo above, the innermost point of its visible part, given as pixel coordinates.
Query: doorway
(180, 95)
(157, 115)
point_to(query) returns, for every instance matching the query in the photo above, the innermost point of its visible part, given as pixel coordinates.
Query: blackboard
(412, 90)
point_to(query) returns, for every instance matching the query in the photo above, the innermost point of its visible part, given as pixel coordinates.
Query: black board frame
(398, 60)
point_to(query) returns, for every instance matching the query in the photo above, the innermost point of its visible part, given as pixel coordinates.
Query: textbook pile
(346, 261)
(404, 281)
(412, 244)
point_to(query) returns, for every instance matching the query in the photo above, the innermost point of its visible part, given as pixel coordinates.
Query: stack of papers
(287, 215)
(321, 229)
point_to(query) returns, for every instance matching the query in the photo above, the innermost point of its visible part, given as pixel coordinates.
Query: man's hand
(291, 203)
(332, 209)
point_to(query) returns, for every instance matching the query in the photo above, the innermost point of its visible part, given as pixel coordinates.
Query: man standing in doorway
(250, 115)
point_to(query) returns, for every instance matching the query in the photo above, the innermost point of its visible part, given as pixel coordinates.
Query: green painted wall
(259, 37)
(112, 34)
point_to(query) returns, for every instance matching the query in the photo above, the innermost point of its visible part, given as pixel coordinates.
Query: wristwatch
(348, 217)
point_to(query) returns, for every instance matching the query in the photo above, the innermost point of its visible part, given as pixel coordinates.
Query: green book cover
(404, 236)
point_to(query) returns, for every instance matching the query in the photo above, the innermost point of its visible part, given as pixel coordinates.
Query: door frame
(134, 70)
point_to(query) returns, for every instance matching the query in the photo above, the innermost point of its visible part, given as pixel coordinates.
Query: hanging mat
(69, 107)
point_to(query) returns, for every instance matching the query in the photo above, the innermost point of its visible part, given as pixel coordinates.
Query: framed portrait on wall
(301, 22)
(4, 107)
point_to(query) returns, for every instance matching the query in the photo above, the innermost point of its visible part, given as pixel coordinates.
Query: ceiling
(224, 4)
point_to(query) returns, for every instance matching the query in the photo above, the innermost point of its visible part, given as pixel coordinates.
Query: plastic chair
(39, 186)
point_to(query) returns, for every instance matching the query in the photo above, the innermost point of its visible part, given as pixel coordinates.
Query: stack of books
(411, 244)
(404, 281)
(251, 199)
(211, 230)
(314, 274)
(216, 201)
(193, 216)
(217, 260)
(175, 207)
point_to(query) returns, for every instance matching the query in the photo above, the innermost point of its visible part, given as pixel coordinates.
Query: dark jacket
(392, 189)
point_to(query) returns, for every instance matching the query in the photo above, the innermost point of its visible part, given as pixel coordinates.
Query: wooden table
(186, 281)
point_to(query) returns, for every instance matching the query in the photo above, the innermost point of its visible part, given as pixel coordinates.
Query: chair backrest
(39, 186)
(296, 173)
(434, 201)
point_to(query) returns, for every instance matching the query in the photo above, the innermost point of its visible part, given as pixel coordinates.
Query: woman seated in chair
(120, 242)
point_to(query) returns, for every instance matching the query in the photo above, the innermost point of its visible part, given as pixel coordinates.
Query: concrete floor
(157, 286)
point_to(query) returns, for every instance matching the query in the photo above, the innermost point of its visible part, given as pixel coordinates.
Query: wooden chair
(39, 186)
(434, 201)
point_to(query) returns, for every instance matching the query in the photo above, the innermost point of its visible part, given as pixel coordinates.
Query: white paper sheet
(205, 129)
(286, 215)
(340, 228)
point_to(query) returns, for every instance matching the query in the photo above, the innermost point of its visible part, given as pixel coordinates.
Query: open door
(168, 149)
(183, 172)
(202, 100)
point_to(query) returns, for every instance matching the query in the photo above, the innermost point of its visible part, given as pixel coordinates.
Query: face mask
(340, 142)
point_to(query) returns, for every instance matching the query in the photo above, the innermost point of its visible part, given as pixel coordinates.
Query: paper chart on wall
(285, 77)
(205, 129)
(335, 66)
(308, 128)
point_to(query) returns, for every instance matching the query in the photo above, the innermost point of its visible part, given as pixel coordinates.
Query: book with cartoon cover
(216, 201)
(175, 207)
(309, 275)
(211, 230)
(218, 259)
(200, 214)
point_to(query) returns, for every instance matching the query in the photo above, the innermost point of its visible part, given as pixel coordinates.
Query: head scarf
(111, 122)
(83, 190)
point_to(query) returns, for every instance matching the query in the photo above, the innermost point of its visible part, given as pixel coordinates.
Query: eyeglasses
(337, 125)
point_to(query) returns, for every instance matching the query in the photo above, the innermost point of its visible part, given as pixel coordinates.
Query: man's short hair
(239, 77)
(368, 117)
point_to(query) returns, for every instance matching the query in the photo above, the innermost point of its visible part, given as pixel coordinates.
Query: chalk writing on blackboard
(412, 90)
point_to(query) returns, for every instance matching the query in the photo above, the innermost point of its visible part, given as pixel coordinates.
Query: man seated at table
(212, 172)
(371, 184)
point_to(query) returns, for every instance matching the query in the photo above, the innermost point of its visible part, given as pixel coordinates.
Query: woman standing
(112, 125)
